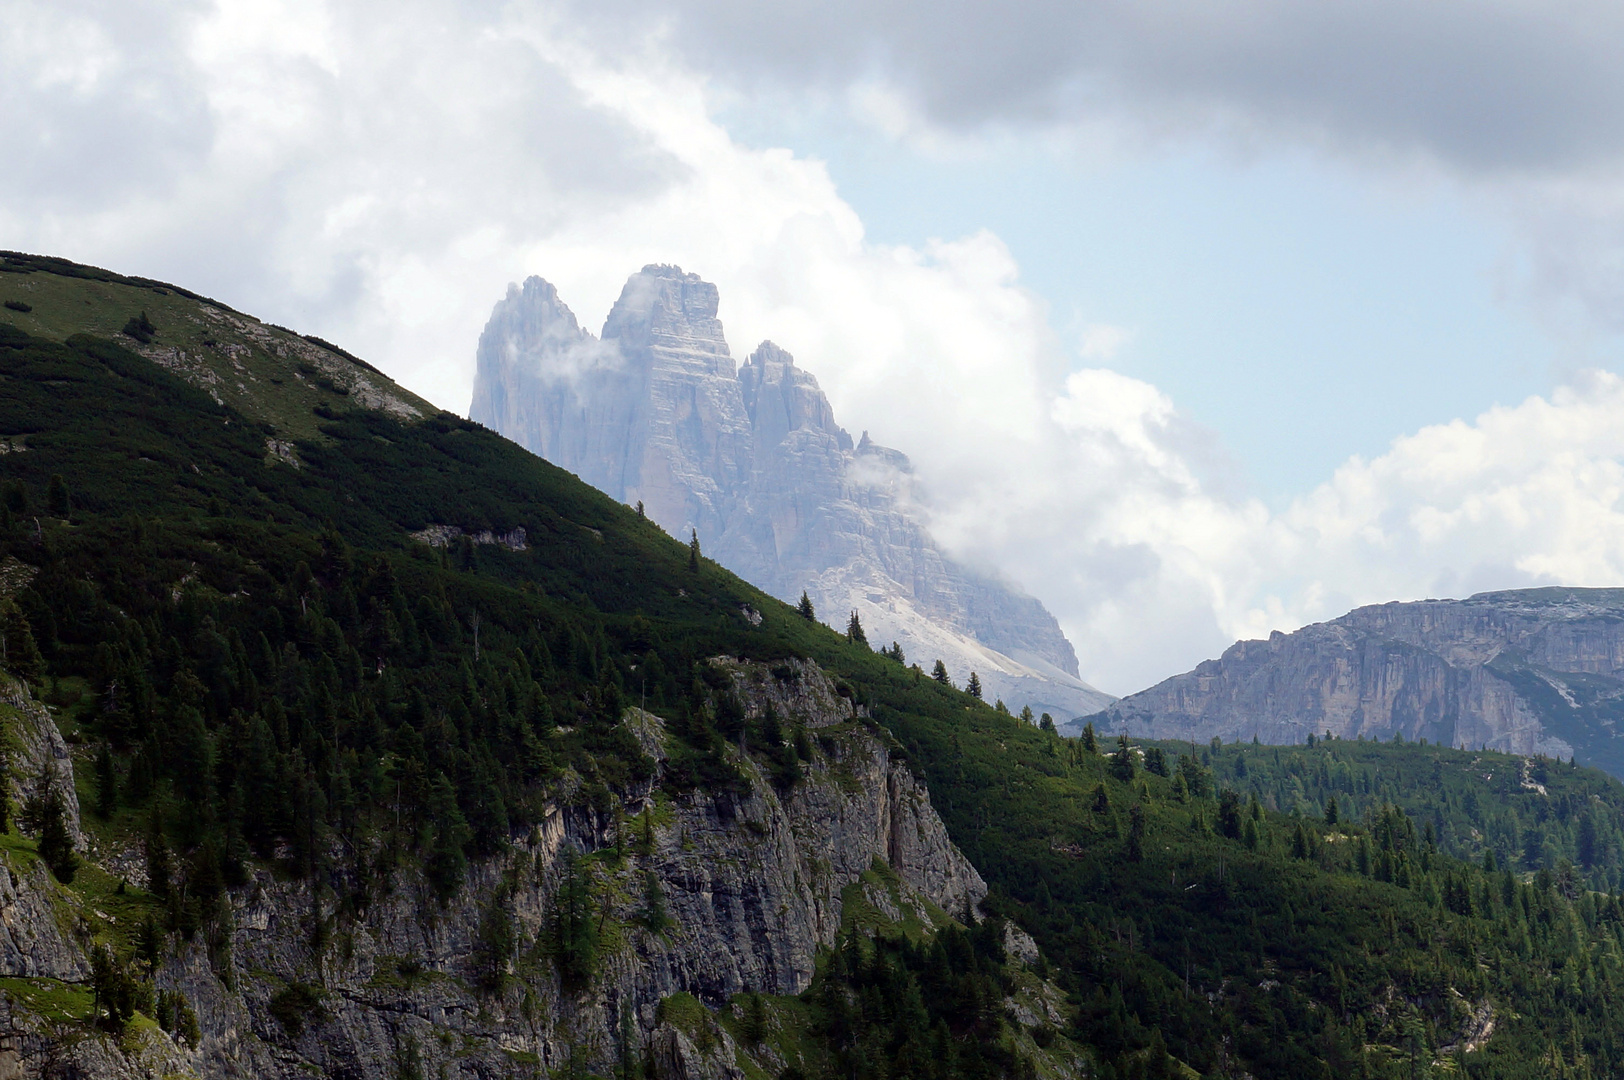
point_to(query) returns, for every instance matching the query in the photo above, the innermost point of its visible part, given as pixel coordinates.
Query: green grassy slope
(267, 373)
(271, 659)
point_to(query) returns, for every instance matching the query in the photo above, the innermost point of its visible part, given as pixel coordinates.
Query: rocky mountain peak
(534, 331)
(667, 317)
(753, 459)
(780, 398)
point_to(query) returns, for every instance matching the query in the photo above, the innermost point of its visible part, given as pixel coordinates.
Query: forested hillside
(397, 647)
(1526, 814)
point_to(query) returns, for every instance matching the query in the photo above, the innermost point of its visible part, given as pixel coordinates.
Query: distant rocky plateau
(655, 411)
(1531, 671)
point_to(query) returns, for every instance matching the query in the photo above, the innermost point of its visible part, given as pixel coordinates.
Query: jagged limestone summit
(655, 412)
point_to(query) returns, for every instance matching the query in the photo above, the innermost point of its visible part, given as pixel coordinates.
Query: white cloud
(1100, 342)
(379, 173)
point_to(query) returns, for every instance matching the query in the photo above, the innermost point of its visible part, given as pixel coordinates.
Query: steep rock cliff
(655, 412)
(1526, 671)
(376, 979)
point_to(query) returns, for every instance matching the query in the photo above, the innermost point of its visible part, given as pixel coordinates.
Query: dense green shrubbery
(889, 1007)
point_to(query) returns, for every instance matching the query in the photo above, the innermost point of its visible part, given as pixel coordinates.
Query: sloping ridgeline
(358, 805)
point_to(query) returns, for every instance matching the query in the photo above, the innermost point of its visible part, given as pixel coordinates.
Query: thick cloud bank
(378, 173)
(1491, 84)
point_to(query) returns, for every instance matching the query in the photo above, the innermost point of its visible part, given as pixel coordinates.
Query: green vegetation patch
(49, 999)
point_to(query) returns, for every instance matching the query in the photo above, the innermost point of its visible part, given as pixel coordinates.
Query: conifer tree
(160, 866)
(939, 673)
(55, 845)
(575, 928)
(1136, 833)
(854, 630)
(973, 687)
(804, 608)
(57, 497)
(1090, 742)
(106, 783)
(19, 653)
(1123, 765)
(693, 550)
(1229, 814)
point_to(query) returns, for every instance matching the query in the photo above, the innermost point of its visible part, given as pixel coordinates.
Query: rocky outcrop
(37, 756)
(1527, 671)
(752, 459)
(33, 940)
(375, 979)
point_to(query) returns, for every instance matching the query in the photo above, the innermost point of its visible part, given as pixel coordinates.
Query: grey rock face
(754, 884)
(32, 942)
(753, 459)
(40, 759)
(1526, 671)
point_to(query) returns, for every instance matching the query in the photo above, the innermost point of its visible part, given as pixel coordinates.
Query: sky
(1198, 321)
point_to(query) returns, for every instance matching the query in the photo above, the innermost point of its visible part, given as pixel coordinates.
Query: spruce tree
(106, 783)
(804, 608)
(1090, 742)
(160, 866)
(973, 687)
(55, 845)
(939, 673)
(19, 653)
(693, 550)
(57, 497)
(1123, 765)
(854, 630)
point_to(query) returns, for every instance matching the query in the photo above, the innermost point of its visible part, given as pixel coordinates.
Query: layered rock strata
(655, 412)
(1525, 671)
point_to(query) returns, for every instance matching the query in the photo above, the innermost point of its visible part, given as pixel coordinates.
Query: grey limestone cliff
(751, 458)
(385, 980)
(1526, 671)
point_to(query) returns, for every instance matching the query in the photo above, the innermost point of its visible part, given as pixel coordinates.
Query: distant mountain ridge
(1526, 671)
(656, 412)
